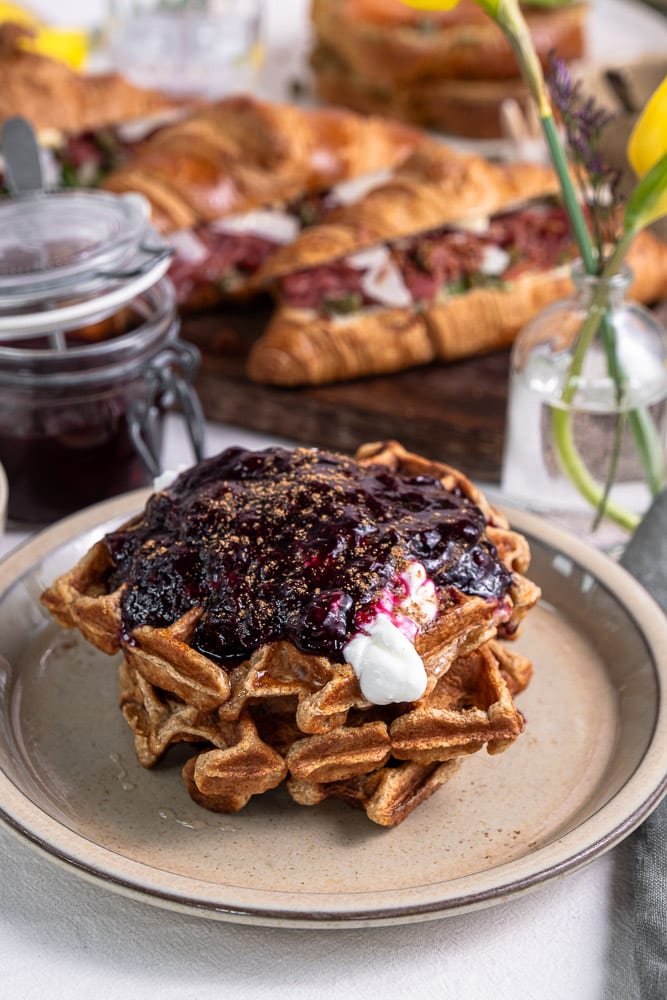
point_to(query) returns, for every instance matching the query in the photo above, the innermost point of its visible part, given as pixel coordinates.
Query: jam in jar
(90, 357)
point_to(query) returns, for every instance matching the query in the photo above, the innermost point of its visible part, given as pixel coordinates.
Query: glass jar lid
(50, 238)
(65, 249)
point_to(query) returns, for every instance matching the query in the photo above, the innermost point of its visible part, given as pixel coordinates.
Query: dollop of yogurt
(382, 652)
(387, 665)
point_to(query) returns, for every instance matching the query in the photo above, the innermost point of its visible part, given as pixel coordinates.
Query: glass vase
(188, 48)
(591, 409)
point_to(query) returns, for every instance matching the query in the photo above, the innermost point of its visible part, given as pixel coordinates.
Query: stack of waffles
(267, 703)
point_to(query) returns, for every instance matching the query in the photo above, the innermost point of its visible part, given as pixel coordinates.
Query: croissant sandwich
(241, 153)
(449, 70)
(449, 258)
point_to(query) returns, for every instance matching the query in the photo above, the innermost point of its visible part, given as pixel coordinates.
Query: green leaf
(648, 201)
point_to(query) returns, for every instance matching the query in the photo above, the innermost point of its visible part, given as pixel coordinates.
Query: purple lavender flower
(584, 122)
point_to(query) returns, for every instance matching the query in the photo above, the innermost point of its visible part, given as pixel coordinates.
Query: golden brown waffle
(286, 711)
(384, 759)
(470, 707)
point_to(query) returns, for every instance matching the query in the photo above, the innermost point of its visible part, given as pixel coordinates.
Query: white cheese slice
(382, 279)
(349, 191)
(386, 286)
(475, 224)
(138, 128)
(49, 137)
(371, 258)
(270, 224)
(495, 260)
(188, 246)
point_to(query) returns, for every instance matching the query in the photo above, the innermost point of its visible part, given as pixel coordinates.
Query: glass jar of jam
(90, 357)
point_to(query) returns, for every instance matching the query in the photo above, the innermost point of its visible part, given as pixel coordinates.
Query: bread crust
(300, 347)
(647, 259)
(470, 108)
(487, 319)
(449, 70)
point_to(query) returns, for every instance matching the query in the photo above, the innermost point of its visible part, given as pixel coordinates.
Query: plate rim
(103, 866)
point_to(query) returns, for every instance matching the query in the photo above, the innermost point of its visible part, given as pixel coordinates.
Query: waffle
(385, 760)
(472, 706)
(282, 713)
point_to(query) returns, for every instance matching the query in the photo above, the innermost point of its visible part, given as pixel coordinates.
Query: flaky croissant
(240, 153)
(52, 96)
(393, 44)
(449, 70)
(301, 347)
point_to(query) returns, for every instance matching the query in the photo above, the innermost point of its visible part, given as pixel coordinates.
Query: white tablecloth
(63, 938)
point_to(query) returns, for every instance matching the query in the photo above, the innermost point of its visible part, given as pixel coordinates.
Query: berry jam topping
(294, 545)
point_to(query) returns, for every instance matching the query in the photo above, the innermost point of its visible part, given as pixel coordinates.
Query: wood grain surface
(454, 412)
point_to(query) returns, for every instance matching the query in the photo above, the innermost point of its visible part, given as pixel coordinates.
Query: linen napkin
(644, 977)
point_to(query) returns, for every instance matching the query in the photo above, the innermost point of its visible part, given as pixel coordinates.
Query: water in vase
(532, 474)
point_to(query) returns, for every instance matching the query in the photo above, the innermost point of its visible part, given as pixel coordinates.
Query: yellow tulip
(18, 15)
(648, 141)
(647, 152)
(490, 6)
(432, 4)
(68, 46)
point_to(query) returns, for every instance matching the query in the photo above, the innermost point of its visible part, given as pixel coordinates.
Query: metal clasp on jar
(169, 379)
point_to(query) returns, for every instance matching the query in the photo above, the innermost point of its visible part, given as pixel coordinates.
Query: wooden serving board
(454, 412)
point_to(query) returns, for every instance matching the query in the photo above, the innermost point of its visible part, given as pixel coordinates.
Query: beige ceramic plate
(590, 766)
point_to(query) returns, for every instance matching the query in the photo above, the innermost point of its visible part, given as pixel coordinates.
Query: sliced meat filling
(207, 257)
(435, 265)
(210, 257)
(85, 159)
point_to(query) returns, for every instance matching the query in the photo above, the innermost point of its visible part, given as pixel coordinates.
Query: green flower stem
(508, 15)
(620, 380)
(611, 471)
(647, 441)
(643, 428)
(569, 193)
(642, 425)
(510, 19)
(649, 448)
(561, 418)
(561, 422)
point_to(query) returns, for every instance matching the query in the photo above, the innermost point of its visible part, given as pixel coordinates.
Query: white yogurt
(383, 654)
(388, 666)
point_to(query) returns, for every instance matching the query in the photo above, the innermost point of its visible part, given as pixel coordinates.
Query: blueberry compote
(293, 545)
